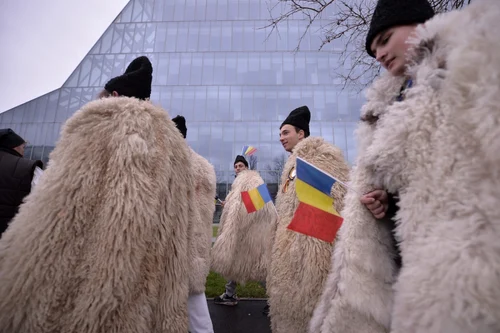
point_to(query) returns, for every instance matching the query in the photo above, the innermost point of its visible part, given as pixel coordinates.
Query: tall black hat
(136, 82)
(300, 118)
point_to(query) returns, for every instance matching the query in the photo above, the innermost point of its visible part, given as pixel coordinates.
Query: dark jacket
(16, 174)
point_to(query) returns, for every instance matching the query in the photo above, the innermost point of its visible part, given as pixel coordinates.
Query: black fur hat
(136, 82)
(180, 122)
(242, 159)
(300, 118)
(9, 139)
(392, 13)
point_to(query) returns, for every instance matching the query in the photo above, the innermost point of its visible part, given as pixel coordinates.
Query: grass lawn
(214, 231)
(215, 287)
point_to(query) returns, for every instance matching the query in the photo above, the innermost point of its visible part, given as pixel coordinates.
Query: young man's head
(135, 82)
(393, 22)
(240, 164)
(295, 128)
(10, 140)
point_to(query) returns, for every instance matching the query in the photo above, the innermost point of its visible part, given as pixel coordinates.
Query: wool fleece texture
(201, 232)
(300, 263)
(100, 245)
(243, 246)
(440, 150)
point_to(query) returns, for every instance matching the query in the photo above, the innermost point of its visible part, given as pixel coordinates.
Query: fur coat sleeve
(100, 245)
(242, 249)
(300, 263)
(201, 222)
(439, 149)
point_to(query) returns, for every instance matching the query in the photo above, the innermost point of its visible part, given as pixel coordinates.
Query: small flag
(315, 216)
(248, 150)
(256, 198)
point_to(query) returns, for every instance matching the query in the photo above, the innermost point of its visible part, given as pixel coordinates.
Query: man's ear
(302, 134)
(115, 94)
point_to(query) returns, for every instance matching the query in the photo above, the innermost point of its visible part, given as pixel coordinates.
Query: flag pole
(275, 209)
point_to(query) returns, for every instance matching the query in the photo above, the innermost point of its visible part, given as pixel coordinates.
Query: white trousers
(199, 317)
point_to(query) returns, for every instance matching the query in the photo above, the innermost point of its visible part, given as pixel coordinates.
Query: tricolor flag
(315, 216)
(256, 198)
(248, 150)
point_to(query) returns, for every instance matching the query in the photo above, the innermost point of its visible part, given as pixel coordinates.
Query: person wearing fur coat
(300, 263)
(242, 249)
(101, 244)
(430, 138)
(200, 234)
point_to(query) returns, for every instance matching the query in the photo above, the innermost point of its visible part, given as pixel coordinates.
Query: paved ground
(246, 317)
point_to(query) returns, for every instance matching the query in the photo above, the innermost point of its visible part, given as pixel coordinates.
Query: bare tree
(252, 162)
(275, 169)
(345, 20)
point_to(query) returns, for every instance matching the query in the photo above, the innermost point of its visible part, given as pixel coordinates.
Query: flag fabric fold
(256, 198)
(316, 215)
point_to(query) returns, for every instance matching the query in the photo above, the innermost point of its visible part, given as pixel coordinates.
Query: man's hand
(222, 203)
(377, 202)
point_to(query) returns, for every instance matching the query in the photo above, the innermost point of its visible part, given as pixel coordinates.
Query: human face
(390, 48)
(239, 167)
(20, 149)
(289, 137)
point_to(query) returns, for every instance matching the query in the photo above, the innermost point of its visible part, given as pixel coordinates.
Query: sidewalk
(246, 317)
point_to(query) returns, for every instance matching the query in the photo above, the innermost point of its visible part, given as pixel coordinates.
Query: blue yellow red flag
(316, 215)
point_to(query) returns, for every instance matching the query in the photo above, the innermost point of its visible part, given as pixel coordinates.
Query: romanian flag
(256, 198)
(248, 150)
(315, 216)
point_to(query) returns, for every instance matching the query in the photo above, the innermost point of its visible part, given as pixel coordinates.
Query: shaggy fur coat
(440, 150)
(100, 245)
(243, 246)
(300, 263)
(201, 224)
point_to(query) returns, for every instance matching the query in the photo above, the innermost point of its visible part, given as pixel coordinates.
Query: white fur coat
(201, 223)
(440, 150)
(101, 243)
(242, 249)
(300, 263)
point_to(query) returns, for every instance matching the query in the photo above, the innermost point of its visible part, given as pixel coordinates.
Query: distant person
(229, 296)
(17, 175)
(242, 249)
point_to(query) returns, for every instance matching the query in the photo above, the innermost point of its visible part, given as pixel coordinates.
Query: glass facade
(216, 63)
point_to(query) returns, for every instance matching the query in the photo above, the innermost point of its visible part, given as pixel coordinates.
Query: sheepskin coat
(300, 263)
(243, 246)
(100, 245)
(201, 228)
(439, 149)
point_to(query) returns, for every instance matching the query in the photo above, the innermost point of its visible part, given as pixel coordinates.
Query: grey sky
(44, 41)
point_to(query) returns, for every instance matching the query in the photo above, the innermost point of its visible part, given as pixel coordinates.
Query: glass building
(216, 63)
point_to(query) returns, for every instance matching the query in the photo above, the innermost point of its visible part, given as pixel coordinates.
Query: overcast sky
(43, 41)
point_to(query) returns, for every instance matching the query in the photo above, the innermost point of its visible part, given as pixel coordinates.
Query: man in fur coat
(200, 234)
(300, 263)
(430, 136)
(101, 244)
(242, 249)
